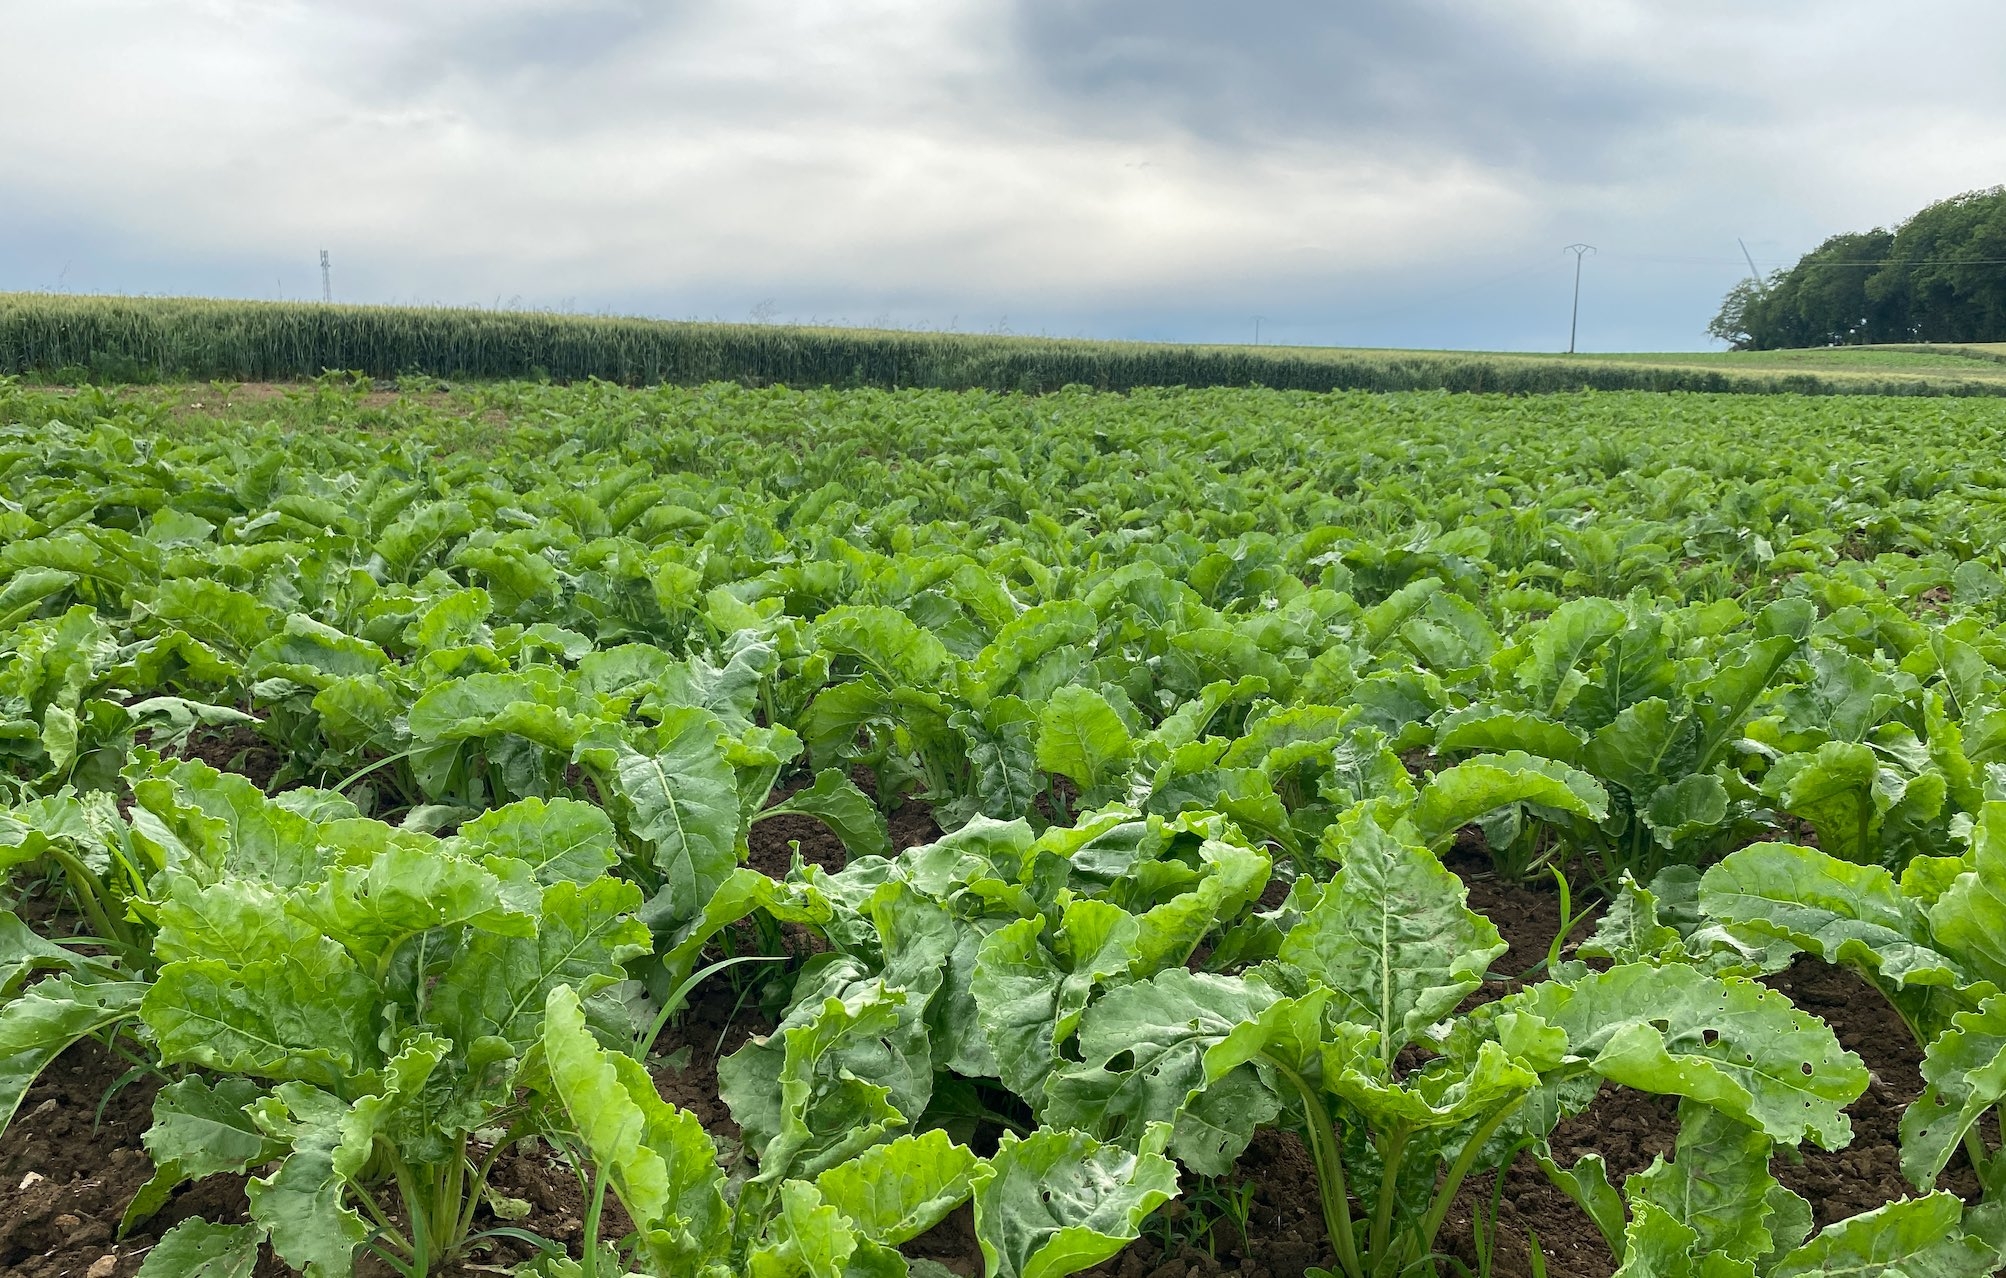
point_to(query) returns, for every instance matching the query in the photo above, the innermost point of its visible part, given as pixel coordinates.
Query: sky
(1313, 172)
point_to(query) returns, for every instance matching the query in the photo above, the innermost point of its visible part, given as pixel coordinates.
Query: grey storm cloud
(1427, 77)
(1364, 174)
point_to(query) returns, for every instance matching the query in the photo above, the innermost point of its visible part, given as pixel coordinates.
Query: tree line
(1938, 277)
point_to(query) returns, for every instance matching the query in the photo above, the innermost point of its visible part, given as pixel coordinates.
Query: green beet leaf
(1457, 796)
(1002, 757)
(1392, 936)
(1727, 1042)
(657, 1158)
(830, 724)
(1144, 1061)
(198, 1130)
(1643, 747)
(308, 1016)
(23, 952)
(742, 892)
(301, 1205)
(312, 653)
(1569, 637)
(808, 1238)
(1833, 789)
(420, 535)
(214, 825)
(1630, 930)
(894, 1192)
(1081, 737)
(1724, 699)
(1683, 809)
(680, 799)
(884, 639)
(1850, 914)
(1910, 1238)
(497, 983)
(558, 839)
(844, 1071)
(406, 891)
(538, 705)
(1493, 731)
(1964, 1072)
(1969, 918)
(46, 1018)
(1030, 997)
(1444, 1096)
(1587, 1184)
(1023, 641)
(1718, 1184)
(1060, 1201)
(836, 801)
(1171, 931)
(1657, 1245)
(197, 1249)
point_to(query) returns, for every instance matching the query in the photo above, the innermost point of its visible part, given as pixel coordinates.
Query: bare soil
(239, 749)
(67, 1173)
(911, 825)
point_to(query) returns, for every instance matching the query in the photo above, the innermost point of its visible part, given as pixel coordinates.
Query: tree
(1825, 299)
(1731, 324)
(1940, 277)
(1947, 269)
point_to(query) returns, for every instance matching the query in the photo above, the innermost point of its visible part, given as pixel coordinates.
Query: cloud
(1520, 85)
(1147, 167)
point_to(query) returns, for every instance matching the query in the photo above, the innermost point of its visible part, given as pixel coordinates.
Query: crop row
(1201, 687)
(113, 339)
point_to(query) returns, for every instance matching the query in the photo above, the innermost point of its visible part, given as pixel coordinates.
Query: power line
(1886, 261)
(1918, 261)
